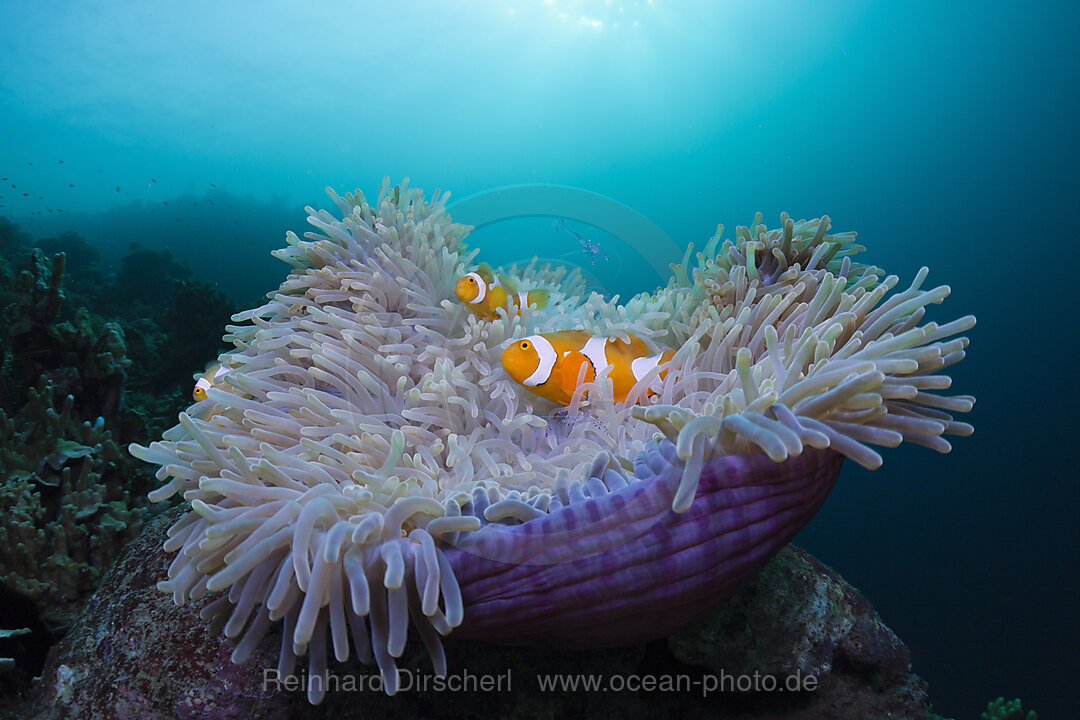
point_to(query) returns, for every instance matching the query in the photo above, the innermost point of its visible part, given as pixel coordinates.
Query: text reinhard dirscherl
(408, 681)
(466, 681)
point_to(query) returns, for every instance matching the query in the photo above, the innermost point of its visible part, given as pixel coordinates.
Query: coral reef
(69, 498)
(64, 495)
(78, 355)
(134, 653)
(65, 507)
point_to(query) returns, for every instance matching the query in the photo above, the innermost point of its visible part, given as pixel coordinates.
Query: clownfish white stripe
(208, 379)
(523, 299)
(481, 288)
(546, 355)
(640, 367)
(596, 351)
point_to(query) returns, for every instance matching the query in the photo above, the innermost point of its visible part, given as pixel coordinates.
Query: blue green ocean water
(943, 133)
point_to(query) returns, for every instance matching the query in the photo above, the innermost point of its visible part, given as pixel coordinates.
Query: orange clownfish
(213, 376)
(549, 364)
(483, 293)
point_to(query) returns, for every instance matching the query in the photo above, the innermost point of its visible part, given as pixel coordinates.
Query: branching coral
(365, 424)
(65, 510)
(81, 356)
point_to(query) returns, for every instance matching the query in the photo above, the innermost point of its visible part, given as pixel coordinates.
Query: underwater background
(943, 133)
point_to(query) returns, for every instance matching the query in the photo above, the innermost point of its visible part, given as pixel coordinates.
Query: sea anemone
(365, 451)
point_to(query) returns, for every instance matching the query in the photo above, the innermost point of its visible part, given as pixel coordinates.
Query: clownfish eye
(472, 280)
(524, 344)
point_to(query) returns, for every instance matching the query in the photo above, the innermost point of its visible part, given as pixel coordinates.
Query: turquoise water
(944, 133)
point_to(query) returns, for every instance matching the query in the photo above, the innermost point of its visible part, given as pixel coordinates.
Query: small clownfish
(213, 375)
(549, 364)
(483, 293)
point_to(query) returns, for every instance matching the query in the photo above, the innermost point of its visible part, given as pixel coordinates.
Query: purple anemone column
(622, 567)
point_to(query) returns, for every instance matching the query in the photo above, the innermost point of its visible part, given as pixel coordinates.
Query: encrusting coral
(364, 424)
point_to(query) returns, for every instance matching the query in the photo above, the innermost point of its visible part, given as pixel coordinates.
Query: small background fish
(484, 292)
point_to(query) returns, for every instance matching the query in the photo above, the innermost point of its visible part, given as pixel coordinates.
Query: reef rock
(799, 620)
(134, 654)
